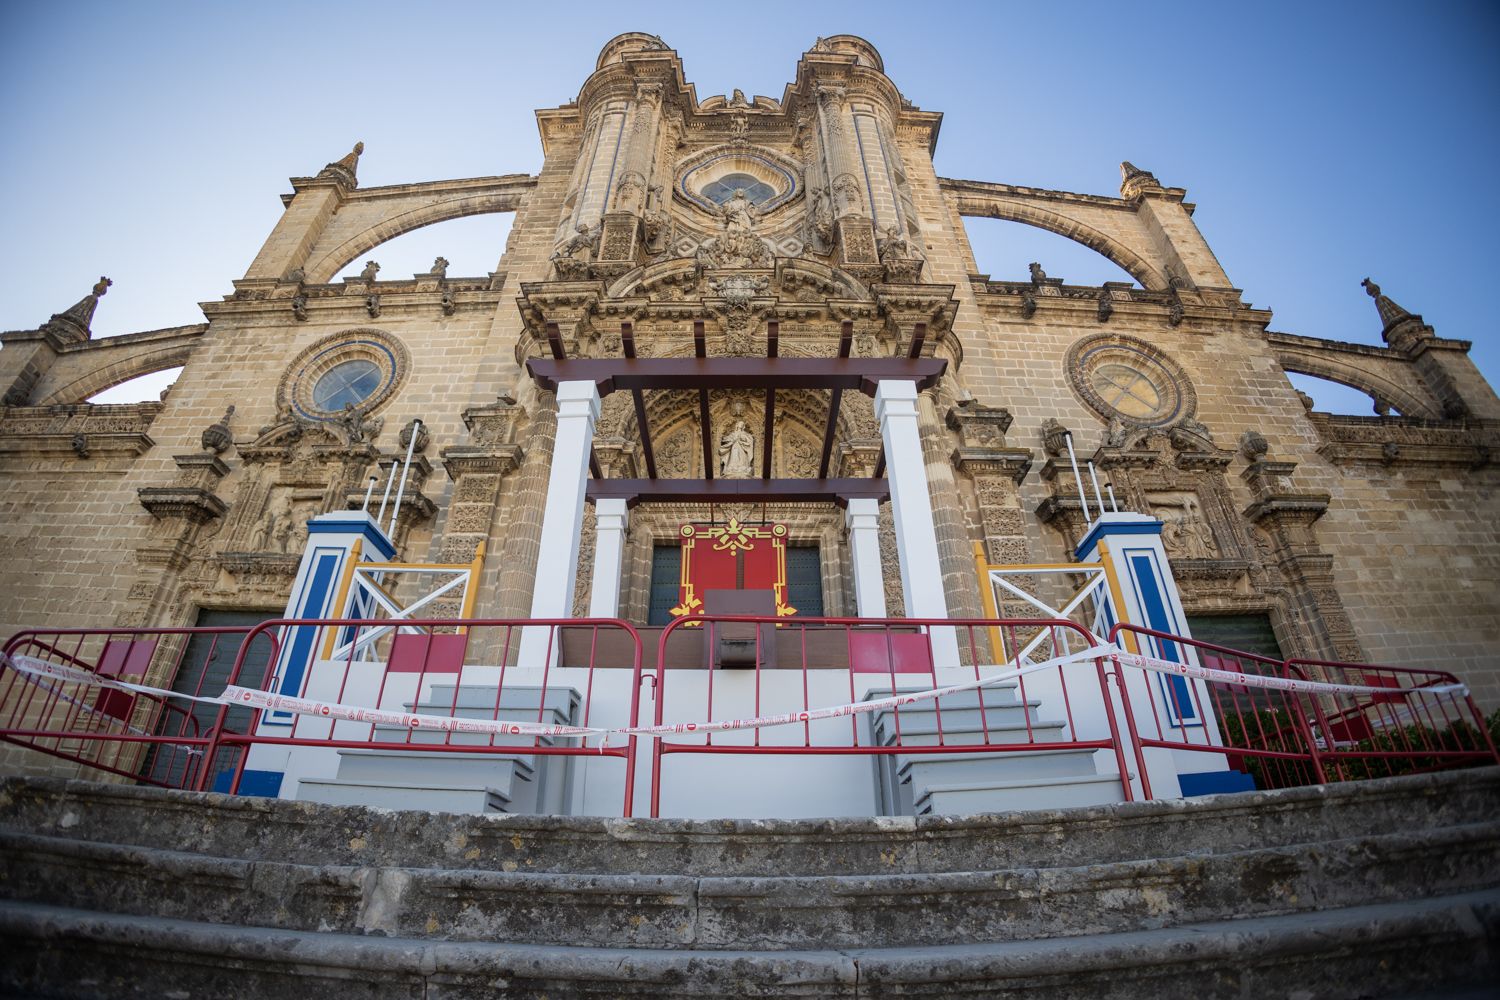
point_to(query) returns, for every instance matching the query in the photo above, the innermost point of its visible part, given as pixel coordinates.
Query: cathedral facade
(814, 225)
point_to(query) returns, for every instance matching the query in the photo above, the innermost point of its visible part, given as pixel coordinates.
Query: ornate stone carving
(1185, 533)
(217, 437)
(370, 271)
(737, 448)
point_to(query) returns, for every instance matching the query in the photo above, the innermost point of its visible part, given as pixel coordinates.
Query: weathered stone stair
(1379, 889)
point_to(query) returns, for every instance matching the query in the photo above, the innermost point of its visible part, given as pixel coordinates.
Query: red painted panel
(872, 652)
(442, 653)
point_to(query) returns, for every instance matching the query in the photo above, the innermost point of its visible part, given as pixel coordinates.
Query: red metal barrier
(1257, 730)
(422, 669)
(1379, 735)
(155, 739)
(901, 650)
(1287, 738)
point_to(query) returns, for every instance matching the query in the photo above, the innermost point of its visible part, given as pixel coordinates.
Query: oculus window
(758, 192)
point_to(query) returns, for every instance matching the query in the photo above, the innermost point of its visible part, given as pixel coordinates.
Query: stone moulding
(1407, 442)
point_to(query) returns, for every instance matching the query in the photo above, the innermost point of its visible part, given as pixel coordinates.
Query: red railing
(1286, 738)
(1430, 725)
(424, 669)
(590, 673)
(155, 739)
(889, 650)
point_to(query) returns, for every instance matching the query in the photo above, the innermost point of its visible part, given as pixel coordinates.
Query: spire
(345, 169)
(1399, 327)
(73, 324)
(1134, 180)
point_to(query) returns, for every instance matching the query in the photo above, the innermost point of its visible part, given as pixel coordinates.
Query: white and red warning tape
(252, 698)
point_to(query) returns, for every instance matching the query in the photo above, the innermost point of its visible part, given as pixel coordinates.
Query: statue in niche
(628, 194)
(737, 449)
(739, 213)
(1185, 532)
(270, 526)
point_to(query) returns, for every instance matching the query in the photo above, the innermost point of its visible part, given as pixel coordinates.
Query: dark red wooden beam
(625, 374)
(846, 341)
(554, 340)
(705, 432)
(918, 338)
(773, 344)
(627, 344)
(637, 491)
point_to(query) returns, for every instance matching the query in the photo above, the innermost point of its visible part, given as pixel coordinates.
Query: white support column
(911, 509)
(611, 518)
(863, 519)
(562, 516)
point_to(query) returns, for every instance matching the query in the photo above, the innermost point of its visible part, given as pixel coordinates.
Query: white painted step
(1022, 794)
(928, 770)
(418, 767)
(1000, 694)
(380, 795)
(955, 717)
(915, 733)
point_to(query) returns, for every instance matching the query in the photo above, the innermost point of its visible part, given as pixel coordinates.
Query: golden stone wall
(1368, 538)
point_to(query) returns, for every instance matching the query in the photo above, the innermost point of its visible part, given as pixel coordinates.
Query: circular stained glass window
(758, 192)
(359, 368)
(351, 382)
(1122, 377)
(1127, 390)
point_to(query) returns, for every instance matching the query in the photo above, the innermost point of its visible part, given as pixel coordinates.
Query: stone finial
(1398, 327)
(370, 271)
(344, 169)
(217, 438)
(1253, 446)
(1054, 437)
(440, 267)
(73, 324)
(414, 425)
(1037, 274)
(1134, 180)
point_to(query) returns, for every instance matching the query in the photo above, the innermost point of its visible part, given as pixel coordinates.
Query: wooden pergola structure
(769, 374)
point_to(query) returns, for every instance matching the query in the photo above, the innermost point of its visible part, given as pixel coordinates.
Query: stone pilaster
(1320, 628)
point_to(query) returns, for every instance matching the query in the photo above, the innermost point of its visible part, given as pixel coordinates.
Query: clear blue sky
(1321, 142)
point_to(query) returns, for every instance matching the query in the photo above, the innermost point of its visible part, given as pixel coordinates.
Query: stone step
(1056, 792)
(1383, 950)
(415, 767)
(378, 794)
(947, 768)
(675, 911)
(259, 828)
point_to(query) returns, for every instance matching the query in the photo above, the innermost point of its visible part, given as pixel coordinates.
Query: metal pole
(385, 497)
(1113, 503)
(369, 489)
(411, 444)
(1078, 481)
(1097, 495)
